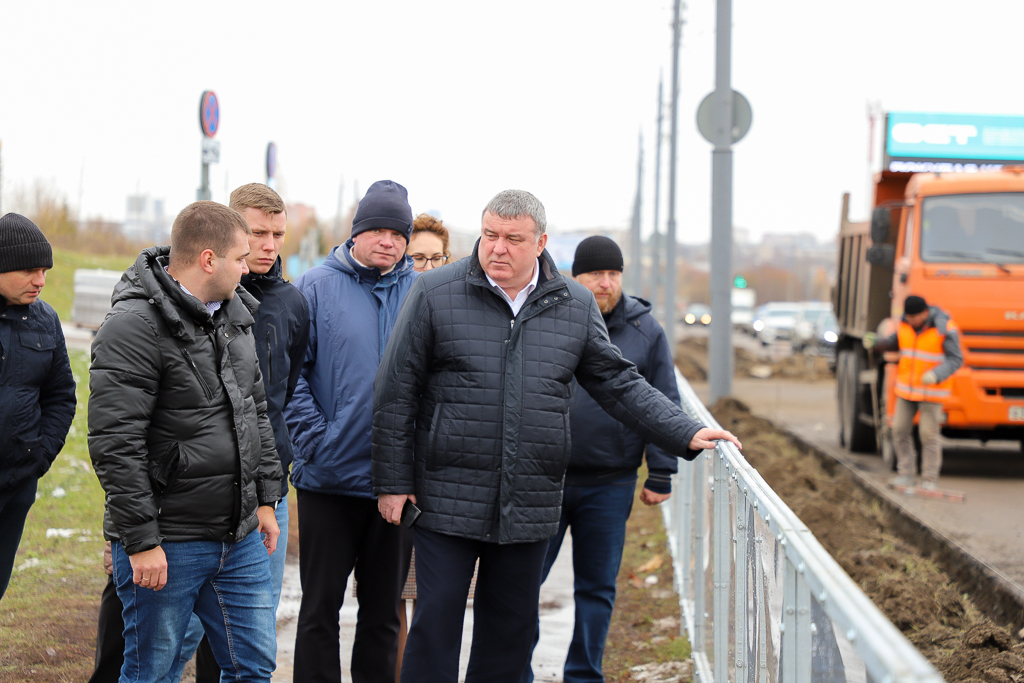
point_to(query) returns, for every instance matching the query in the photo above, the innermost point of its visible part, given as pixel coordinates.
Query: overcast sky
(458, 100)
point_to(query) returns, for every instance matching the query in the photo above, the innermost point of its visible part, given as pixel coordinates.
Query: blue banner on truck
(952, 142)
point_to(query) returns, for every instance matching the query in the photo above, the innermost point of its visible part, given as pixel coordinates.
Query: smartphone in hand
(410, 513)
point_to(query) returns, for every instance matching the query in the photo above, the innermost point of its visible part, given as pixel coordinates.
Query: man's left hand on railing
(705, 439)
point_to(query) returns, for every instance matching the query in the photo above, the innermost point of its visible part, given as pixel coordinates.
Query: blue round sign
(271, 160)
(209, 113)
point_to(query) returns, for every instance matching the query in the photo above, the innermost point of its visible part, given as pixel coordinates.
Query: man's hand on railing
(705, 439)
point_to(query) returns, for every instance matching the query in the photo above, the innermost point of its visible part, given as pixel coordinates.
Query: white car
(808, 323)
(777, 322)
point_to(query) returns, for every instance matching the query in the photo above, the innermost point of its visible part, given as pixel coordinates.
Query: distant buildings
(145, 220)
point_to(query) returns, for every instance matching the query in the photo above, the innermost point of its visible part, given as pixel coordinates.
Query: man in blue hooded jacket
(602, 472)
(354, 297)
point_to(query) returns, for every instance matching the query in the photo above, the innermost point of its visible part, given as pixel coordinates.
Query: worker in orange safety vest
(929, 344)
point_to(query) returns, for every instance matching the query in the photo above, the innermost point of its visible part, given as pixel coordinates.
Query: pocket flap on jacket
(38, 341)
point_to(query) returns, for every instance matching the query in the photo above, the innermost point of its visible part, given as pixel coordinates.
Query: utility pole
(656, 246)
(636, 275)
(720, 344)
(670, 247)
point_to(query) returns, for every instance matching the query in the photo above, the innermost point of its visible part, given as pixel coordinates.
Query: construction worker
(929, 344)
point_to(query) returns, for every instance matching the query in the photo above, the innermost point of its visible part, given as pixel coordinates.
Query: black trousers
(339, 534)
(110, 644)
(505, 608)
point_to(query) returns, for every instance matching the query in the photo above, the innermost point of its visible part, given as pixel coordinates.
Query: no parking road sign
(209, 113)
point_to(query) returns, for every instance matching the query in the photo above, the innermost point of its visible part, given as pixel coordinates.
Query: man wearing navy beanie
(354, 297)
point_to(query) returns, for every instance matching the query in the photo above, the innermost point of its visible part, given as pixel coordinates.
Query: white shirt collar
(517, 303)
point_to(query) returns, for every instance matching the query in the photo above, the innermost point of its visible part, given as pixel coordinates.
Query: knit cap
(597, 253)
(385, 205)
(913, 305)
(22, 245)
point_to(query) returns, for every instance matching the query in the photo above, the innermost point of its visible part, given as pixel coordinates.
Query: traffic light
(739, 282)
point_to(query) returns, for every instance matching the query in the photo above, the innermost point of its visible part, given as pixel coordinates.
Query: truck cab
(957, 239)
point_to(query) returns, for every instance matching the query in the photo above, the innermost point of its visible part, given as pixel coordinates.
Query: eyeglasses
(420, 260)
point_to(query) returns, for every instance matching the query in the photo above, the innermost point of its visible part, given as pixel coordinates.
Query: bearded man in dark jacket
(601, 478)
(37, 390)
(471, 423)
(182, 445)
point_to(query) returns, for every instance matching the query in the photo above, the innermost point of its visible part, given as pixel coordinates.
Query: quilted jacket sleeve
(123, 384)
(396, 392)
(616, 385)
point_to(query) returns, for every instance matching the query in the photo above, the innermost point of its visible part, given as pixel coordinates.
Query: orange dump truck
(957, 239)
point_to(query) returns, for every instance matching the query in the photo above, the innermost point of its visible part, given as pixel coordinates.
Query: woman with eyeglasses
(428, 244)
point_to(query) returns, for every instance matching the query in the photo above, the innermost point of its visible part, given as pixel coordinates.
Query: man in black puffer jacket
(601, 478)
(471, 423)
(37, 390)
(181, 443)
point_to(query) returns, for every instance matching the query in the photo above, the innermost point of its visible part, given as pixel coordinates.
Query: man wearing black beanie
(599, 483)
(37, 390)
(930, 344)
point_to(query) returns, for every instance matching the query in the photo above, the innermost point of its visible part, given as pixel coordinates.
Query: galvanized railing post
(742, 576)
(700, 615)
(722, 532)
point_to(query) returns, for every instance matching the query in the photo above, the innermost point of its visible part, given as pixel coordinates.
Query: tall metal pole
(656, 278)
(636, 275)
(720, 346)
(670, 258)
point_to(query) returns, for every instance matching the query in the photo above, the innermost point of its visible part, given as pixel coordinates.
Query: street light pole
(656, 278)
(636, 276)
(720, 346)
(670, 246)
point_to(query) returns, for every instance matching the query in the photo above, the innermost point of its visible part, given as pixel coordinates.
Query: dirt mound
(692, 358)
(937, 617)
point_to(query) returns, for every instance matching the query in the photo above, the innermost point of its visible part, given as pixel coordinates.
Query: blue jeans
(195, 628)
(226, 585)
(597, 515)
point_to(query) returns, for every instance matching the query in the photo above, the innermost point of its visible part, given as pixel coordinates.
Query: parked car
(697, 314)
(778, 322)
(808, 323)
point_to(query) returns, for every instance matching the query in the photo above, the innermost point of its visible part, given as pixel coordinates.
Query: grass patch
(645, 624)
(48, 615)
(59, 291)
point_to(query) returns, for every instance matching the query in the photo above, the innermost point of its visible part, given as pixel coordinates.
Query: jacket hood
(627, 310)
(147, 279)
(340, 258)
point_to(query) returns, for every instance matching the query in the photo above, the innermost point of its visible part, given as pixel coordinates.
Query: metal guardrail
(761, 599)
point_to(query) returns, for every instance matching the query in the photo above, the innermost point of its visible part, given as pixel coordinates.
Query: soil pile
(692, 359)
(934, 614)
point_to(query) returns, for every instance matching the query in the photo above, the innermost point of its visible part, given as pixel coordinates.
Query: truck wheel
(853, 401)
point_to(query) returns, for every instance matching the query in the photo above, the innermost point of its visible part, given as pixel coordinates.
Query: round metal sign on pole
(271, 160)
(741, 117)
(209, 113)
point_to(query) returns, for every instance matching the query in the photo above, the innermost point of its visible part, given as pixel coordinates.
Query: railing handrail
(887, 655)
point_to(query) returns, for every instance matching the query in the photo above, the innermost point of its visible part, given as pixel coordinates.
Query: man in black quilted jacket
(181, 442)
(471, 424)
